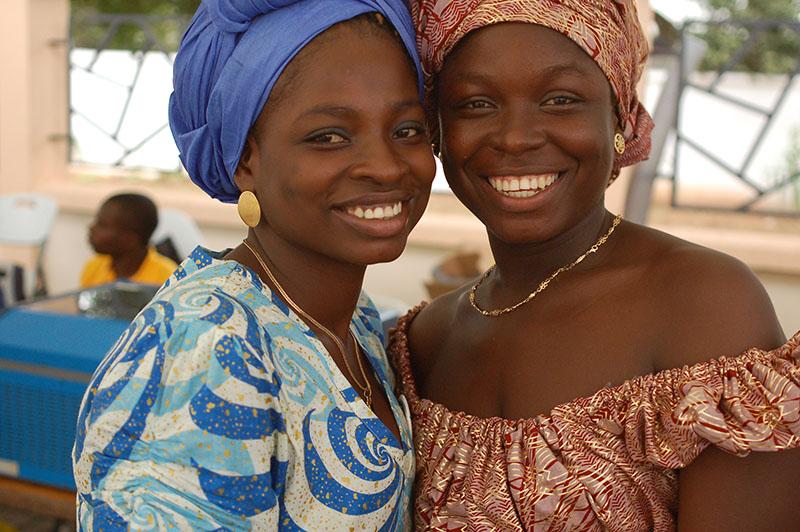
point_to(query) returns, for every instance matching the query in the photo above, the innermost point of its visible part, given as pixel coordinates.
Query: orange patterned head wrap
(607, 30)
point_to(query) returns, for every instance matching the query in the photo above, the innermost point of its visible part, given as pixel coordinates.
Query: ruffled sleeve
(741, 404)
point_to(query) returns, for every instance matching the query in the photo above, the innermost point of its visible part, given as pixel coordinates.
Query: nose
(519, 130)
(380, 160)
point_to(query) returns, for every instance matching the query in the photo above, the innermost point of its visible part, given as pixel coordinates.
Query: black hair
(140, 214)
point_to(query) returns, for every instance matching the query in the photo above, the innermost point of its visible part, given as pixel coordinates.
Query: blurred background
(83, 115)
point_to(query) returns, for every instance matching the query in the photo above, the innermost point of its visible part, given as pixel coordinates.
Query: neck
(326, 289)
(128, 263)
(521, 267)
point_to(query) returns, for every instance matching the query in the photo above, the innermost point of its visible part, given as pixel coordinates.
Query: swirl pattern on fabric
(607, 30)
(230, 58)
(603, 462)
(220, 409)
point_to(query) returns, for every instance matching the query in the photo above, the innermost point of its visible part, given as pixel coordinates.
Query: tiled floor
(13, 520)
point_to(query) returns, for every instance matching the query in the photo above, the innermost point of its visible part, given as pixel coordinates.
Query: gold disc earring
(249, 209)
(619, 143)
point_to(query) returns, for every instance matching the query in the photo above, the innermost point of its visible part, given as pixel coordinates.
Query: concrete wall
(68, 250)
(784, 290)
(401, 280)
(33, 92)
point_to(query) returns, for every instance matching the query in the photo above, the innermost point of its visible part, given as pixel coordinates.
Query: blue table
(46, 361)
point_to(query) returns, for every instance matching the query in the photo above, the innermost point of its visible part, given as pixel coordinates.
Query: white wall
(68, 249)
(401, 280)
(784, 290)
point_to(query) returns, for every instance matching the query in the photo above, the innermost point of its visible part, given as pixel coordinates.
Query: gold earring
(249, 209)
(619, 143)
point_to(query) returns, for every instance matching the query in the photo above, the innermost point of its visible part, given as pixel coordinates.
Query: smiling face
(527, 130)
(340, 159)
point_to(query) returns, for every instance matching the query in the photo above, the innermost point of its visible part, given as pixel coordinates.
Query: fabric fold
(229, 60)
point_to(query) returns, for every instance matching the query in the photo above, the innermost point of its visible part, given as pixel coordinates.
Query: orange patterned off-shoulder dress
(603, 462)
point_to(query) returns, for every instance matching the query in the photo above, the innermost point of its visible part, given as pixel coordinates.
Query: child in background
(120, 235)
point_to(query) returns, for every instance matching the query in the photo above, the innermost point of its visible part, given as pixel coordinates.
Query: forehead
(349, 56)
(518, 49)
(112, 212)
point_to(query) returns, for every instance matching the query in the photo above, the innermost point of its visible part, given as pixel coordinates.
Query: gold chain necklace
(544, 284)
(366, 388)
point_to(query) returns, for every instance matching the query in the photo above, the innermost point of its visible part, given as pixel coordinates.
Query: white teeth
(381, 212)
(522, 186)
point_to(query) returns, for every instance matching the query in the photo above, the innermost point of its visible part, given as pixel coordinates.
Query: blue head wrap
(229, 60)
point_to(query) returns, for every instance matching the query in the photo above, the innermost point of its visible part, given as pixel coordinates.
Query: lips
(522, 186)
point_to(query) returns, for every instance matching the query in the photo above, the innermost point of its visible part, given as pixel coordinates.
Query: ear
(248, 166)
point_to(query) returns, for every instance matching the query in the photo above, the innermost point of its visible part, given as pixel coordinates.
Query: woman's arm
(721, 309)
(719, 492)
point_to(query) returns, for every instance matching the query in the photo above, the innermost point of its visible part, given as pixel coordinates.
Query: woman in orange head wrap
(575, 385)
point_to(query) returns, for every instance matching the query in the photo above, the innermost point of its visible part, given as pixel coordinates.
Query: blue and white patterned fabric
(219, 409)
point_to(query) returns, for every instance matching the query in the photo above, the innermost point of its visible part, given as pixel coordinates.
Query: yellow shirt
(155, 269)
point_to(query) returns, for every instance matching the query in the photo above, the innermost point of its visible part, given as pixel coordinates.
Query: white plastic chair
(26, 220)
(180, 229)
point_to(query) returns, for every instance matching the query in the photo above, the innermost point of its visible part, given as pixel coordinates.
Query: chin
(380, 252)
(519, 232)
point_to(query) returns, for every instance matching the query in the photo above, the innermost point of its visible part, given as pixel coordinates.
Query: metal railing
(140, 36)
(755, 191)
(143, 36)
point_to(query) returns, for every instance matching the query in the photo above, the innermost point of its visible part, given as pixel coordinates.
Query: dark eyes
(326, 138)
(476, 105)
(560, 100)
(481, 104)
(410, 130)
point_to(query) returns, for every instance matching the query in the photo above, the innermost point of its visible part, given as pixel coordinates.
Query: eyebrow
(565, 69)
(339, 111)
(560, 69)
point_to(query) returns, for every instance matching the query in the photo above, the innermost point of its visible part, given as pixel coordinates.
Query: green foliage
(167, 19)
(776, 49)
(140, 7)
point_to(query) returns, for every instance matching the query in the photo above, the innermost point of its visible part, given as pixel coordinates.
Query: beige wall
(33, 92)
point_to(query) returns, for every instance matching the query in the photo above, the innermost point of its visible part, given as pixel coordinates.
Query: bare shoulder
(429, 329)
(712, 304)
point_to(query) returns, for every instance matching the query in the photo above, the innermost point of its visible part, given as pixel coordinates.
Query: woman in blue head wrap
(253, 392)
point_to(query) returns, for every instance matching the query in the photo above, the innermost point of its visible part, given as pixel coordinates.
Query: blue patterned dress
(219, 409)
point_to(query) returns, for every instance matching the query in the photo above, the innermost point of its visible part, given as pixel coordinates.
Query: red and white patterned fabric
(603, 462)
(607, 30)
